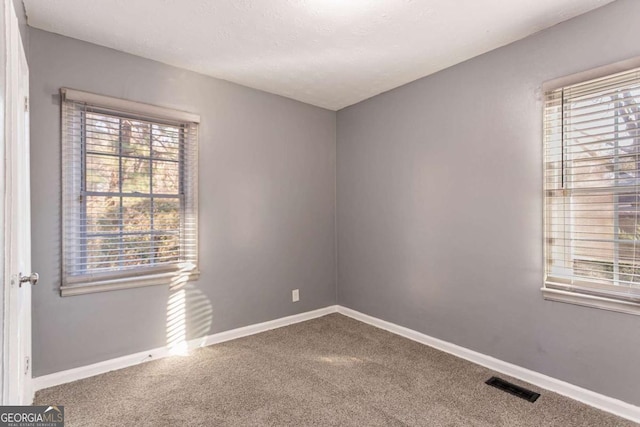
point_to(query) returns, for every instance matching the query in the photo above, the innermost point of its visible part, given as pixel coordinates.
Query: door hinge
(26, 104)
(26, 365)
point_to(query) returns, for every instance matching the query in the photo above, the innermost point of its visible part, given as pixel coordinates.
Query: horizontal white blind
(592, 187)
(129, 194)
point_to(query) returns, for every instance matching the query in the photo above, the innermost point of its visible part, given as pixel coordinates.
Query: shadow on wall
(189, 316)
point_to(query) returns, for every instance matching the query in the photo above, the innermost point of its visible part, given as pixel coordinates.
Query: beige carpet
(331, 371)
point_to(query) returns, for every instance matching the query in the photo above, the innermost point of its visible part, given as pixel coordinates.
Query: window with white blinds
(592, 192)
(129, 194)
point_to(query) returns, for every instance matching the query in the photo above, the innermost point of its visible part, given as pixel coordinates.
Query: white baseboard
(591, 398)
(605, 403)
(63, 377)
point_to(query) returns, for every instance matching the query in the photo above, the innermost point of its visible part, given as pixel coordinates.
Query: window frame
(560, 290)
(74, 186)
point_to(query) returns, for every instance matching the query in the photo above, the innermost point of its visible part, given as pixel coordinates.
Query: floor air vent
(516, 390)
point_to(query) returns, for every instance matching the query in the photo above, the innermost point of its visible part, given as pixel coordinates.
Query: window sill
(172, 278)
(603, 303)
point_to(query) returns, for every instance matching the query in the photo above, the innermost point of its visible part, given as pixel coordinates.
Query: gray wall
(440, 208)
(267, 206)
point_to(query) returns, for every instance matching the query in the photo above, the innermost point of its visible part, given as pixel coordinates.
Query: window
(592, 192)
(129, 194)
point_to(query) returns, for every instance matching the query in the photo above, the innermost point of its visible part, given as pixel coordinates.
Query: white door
(16, 369)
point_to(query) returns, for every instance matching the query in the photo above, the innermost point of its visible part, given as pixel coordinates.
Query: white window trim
(172, 275)
(594, 73)
(554, 293)
(618, 305)
(124, 105)
(173, 278)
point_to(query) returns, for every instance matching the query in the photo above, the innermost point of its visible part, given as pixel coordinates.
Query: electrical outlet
(295, 295)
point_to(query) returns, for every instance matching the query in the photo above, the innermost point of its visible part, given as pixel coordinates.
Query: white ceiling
(329, 53)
